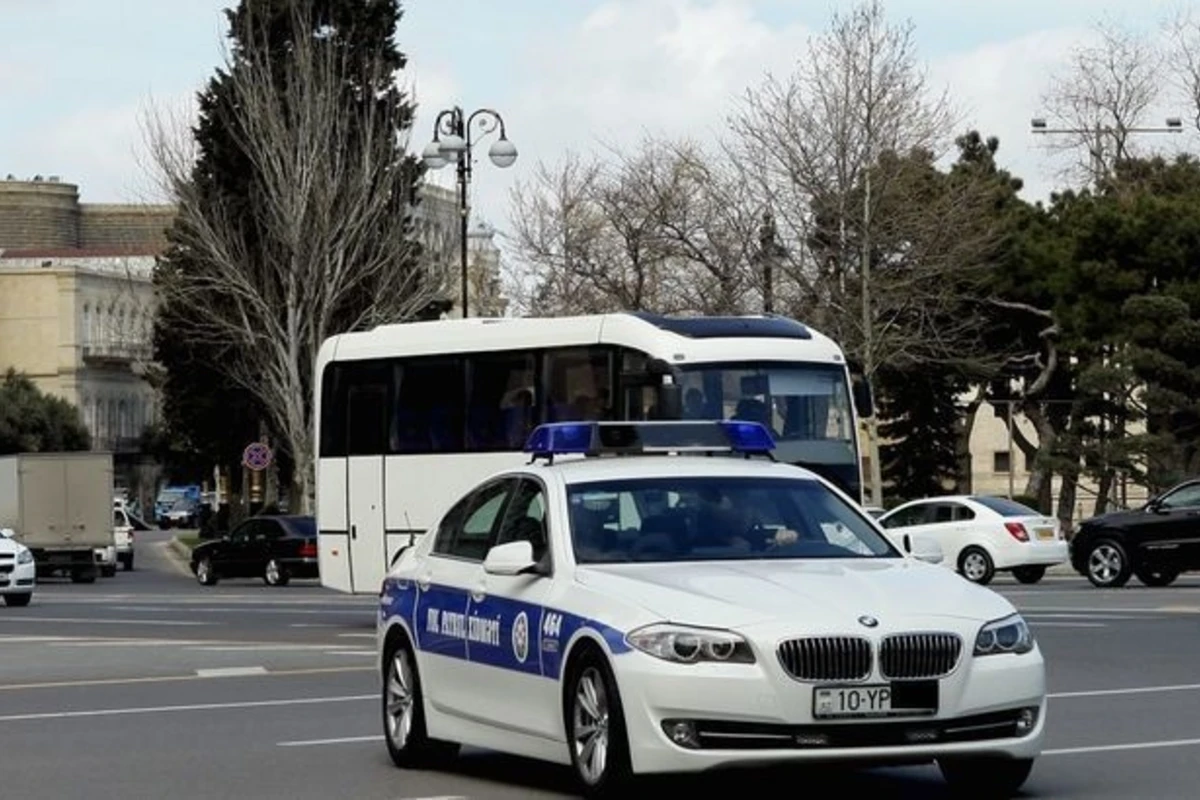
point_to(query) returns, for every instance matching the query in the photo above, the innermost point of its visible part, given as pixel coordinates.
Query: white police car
(674, 612)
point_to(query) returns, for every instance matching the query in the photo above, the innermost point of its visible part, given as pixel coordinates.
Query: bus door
(367, 429)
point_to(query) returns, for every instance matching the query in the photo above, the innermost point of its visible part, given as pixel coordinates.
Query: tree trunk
(1040, 477)
(965, 461)
(1107, 480)
(873, 456)
(1072, 469)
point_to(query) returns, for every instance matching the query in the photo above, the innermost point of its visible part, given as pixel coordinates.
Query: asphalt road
(148, 685)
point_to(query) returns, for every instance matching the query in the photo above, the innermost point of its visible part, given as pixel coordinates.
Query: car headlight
(25, 557)
(1008, 635)
(687, 645)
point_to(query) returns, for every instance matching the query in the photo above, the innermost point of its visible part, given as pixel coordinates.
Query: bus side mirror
(864, 400)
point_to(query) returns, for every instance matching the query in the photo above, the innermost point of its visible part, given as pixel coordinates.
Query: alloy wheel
(400, 707)
(1105, 563)
(590, 728)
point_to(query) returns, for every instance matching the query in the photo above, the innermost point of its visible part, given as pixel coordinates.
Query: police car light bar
(612, 438)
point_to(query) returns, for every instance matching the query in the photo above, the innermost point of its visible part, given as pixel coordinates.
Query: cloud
(673, 67)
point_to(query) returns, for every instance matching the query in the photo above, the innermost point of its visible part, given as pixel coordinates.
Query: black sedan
(1155, 542)
(276, 549)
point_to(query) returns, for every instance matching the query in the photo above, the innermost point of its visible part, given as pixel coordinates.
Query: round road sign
(256, 456)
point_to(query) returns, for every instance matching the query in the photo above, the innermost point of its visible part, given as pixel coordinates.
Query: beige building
(77, 303)
(436, 220)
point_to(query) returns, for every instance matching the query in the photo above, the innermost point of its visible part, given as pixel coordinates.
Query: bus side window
(501, 408)
(367, 409)
(333, 412)
(430, 407)
(579, 384)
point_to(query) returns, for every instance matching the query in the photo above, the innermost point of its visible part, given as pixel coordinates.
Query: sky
(78, 78)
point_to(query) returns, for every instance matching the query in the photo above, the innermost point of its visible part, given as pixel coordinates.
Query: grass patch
(188, 542)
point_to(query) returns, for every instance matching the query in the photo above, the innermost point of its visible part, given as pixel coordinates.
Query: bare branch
(321, 242)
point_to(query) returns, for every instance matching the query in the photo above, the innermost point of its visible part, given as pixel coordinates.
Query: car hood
(1115, 519)
(732, 594)
(10, 546)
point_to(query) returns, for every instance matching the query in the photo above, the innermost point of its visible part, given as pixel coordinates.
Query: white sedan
(641, 614)
(980, 535)
(18, 572)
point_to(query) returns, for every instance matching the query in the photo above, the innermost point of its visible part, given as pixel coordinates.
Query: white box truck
(60, 506)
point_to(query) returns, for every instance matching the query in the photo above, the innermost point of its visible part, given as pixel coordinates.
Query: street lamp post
(1098, 132)
(454, 136)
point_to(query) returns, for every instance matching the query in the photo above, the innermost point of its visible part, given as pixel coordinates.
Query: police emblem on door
(520, 637)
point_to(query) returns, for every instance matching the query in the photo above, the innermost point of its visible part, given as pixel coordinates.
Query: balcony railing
(117, 352)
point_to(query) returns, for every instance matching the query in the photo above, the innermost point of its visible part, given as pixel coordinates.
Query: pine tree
(227, 221)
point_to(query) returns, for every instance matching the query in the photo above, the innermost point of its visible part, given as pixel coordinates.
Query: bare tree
(1107, 90)
(811, 144)
(1183, 57)
(331, 248)
(659, 227)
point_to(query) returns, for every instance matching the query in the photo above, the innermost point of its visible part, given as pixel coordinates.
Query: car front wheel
(205, 574)
(596, 728)
(986, 777)
(408, 742)
(1108, 565)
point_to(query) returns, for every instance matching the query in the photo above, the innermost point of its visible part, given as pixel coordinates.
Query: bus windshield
(807, 408)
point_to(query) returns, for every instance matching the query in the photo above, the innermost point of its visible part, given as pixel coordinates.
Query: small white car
(123, 529)
(18, 572)
(981, 536)
(628, 614)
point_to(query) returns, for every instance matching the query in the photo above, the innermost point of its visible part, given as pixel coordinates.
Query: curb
(182, 550)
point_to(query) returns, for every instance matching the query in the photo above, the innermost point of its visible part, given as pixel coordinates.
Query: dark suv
(1155, 542)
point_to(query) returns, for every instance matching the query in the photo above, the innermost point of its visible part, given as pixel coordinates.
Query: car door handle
(478, 593)
(353, 531)
(423, 583)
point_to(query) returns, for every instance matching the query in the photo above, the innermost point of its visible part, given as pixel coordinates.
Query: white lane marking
(275, 673)
(114, 712)
(312, 625)
(351, 653)
(87, 621)
(356, 636)
(1179, 687)
(263, 648)
(1109, 748)
(1110, 610)
(15, 639)
(230, 672)
(343, 740)
(1041, 624)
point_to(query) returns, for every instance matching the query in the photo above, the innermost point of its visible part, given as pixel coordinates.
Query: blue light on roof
(748, 437)
(600, 438)
(559, 438)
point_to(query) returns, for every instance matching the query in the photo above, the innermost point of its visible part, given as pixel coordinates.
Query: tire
(84, 575)
(275, 574)
(976, 565)
(108, 571)
(1029, 574)
(1157, 578)
(205, 574)
(1107, 565)
(403, 709)
(592, 702)
(18, 600)
(992, 778)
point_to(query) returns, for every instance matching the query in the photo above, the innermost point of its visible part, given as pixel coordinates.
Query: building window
(1001, 461)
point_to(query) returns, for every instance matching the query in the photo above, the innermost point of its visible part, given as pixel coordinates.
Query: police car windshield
(716, 518)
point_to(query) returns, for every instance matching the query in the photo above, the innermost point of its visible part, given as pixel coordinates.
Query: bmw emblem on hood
(868, 621)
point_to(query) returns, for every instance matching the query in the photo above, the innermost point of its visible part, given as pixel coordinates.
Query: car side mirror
(924, 549)
(510, 558)
(1154, 505)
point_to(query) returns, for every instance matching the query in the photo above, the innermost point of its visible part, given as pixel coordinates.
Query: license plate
(1045, 533)
(852, 701)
